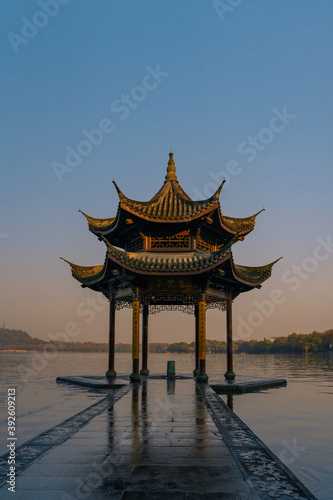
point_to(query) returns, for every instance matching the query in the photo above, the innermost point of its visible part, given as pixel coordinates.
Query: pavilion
(170, 253)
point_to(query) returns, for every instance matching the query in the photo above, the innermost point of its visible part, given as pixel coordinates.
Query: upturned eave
(87, 274)
(242, 226)
(252, 276)
(100, 225)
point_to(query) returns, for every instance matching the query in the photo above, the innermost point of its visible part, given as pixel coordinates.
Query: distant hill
(17, 339)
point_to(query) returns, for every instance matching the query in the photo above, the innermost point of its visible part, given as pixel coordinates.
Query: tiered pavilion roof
(173, 235)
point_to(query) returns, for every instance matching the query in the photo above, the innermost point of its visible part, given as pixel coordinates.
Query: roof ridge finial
(171, 170)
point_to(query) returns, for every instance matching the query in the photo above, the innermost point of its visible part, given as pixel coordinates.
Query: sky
(96, 91)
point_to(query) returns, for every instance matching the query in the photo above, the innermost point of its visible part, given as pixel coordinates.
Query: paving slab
(95, 381)
(242, 384)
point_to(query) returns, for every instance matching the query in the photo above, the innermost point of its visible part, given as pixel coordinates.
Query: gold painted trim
(202, 329)
(135, 329)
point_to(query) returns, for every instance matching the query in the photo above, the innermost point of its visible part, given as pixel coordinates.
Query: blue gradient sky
(225, 78)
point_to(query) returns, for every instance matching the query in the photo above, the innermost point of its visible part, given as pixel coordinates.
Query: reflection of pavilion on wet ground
(158, 439)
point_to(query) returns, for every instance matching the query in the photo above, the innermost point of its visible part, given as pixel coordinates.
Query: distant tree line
(212, 346)
(315, 342)
(296, 343)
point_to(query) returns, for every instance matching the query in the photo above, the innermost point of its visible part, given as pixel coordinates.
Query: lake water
(294, 421)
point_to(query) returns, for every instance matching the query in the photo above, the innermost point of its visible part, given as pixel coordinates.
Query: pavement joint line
(28, 452)
(262, 469)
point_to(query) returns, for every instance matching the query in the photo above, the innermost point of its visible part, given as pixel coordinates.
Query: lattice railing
(174, 241)
(205, 246)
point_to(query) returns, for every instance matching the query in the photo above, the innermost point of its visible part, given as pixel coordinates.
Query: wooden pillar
(202, 377)
(145, 312)
(196, 370)
(135, 375)
(112, 319)
(230, 372)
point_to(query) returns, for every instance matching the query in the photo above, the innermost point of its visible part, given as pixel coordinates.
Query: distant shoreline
(312, 343)
(19, 351)
(14, 350)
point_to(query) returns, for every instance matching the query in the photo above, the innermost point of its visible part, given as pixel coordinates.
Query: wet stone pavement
(159, 439)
